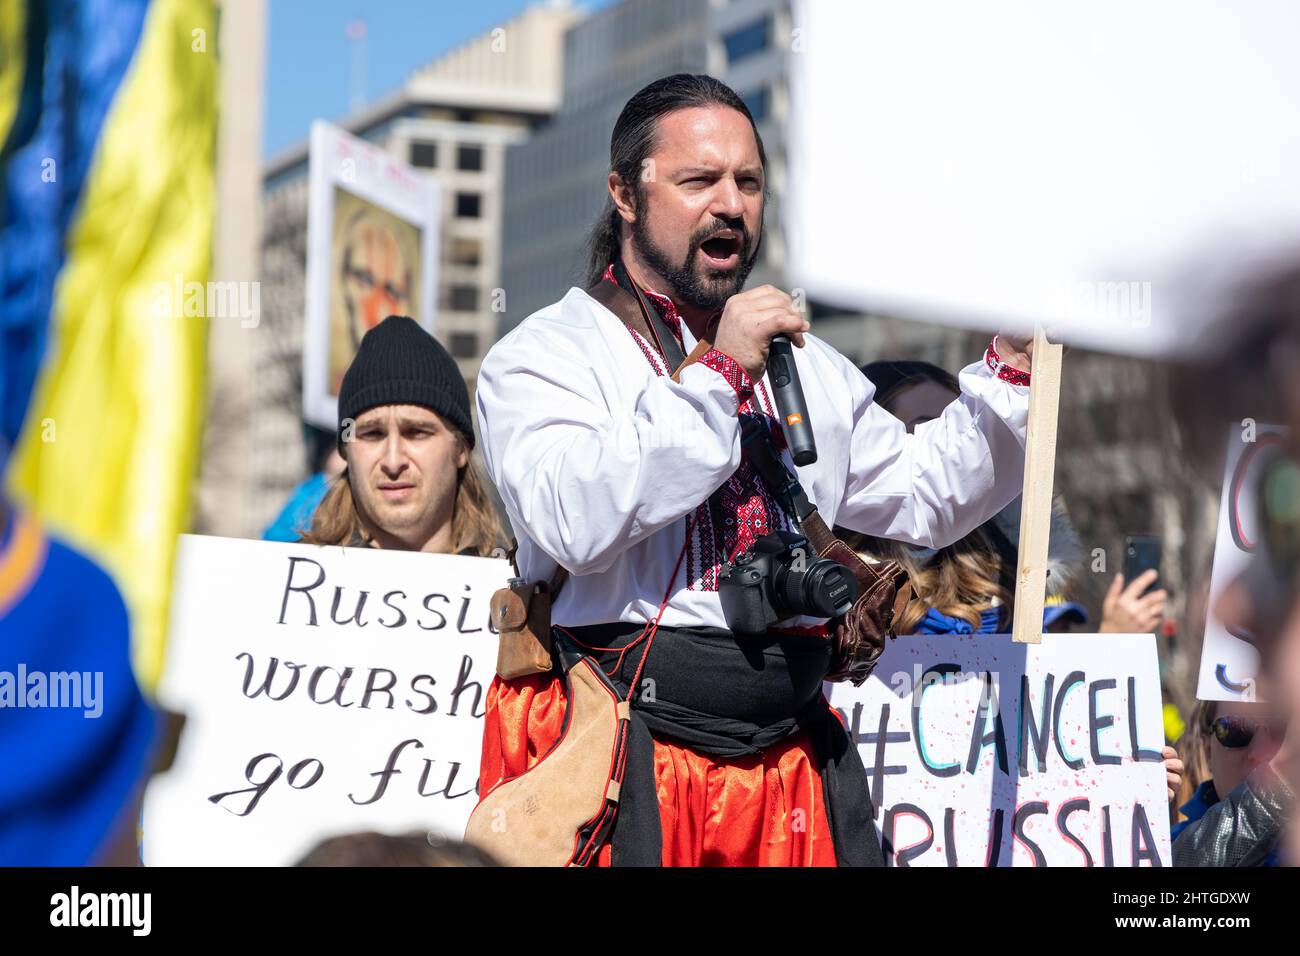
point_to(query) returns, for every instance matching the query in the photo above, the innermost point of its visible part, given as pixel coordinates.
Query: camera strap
(626, 300)
(784, 485)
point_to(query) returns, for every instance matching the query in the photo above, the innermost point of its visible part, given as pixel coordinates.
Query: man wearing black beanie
(405, 431)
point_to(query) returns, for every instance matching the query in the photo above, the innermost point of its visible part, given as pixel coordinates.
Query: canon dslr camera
(780, 577)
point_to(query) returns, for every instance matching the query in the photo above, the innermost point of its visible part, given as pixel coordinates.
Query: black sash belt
(726, 696)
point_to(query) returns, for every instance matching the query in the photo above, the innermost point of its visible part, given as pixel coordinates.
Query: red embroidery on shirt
(747, 509)
(729, 369)
(667, 311)
(648, 350)
(702, 552)
(1003, 371)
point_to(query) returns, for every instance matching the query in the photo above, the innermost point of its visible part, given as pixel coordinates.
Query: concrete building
(454, 117)
(554, 183)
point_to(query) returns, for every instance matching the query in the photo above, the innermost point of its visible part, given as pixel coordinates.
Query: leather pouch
(522, 615)
(562, 810)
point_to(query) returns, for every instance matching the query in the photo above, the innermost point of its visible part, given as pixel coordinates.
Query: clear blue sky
(308, 68)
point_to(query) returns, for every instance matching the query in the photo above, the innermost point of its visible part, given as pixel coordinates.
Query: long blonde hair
(474, 521)
(960, 580)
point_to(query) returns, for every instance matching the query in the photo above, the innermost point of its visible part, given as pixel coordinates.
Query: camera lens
(826, 589)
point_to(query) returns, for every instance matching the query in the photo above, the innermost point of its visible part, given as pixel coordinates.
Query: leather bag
(561, 811)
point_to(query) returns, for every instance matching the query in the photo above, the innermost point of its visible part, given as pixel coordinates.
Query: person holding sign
(638, 483)
(968, 587)
(411, 483)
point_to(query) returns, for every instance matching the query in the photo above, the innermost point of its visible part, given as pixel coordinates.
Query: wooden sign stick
(1036, 500)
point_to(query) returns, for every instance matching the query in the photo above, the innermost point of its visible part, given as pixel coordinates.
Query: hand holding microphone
(757, 329)
(749, 321)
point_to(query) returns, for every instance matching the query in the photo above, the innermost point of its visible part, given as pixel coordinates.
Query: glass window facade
(469, 158)
(424, 155)
(469, 205)
(748, 40)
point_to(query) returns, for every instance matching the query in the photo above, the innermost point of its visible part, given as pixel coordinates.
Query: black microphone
(790, 404)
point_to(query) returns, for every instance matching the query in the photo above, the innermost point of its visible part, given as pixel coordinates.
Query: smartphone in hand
(1141, 553)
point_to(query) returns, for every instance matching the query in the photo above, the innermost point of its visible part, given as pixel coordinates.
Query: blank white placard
(1109, 168)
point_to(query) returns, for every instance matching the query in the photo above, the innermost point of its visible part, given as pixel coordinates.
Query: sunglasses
(1237, 732)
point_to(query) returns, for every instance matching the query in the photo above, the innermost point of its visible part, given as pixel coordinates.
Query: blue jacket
(1204, 798)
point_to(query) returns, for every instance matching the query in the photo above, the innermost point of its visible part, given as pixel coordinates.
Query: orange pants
(765, 809)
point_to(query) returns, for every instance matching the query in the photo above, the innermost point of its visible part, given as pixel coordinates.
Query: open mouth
(722, 250)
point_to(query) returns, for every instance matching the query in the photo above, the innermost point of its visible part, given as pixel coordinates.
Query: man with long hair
(636, 484)
(411, 482)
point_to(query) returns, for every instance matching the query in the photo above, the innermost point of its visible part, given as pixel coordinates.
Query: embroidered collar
(667, 310)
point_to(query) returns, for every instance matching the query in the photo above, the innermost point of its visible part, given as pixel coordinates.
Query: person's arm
(588, 474)
(934, 486)
(1242, 828)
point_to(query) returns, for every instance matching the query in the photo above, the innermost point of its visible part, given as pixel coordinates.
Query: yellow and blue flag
(108, 113)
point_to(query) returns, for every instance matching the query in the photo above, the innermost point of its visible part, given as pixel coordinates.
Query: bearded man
(638, 486)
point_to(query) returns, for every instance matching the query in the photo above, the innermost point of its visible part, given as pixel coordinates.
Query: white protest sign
(981, 751)
(1106, 168)
(326, 690)
(1229, 663)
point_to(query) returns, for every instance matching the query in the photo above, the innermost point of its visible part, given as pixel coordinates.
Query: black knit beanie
(399, 363)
